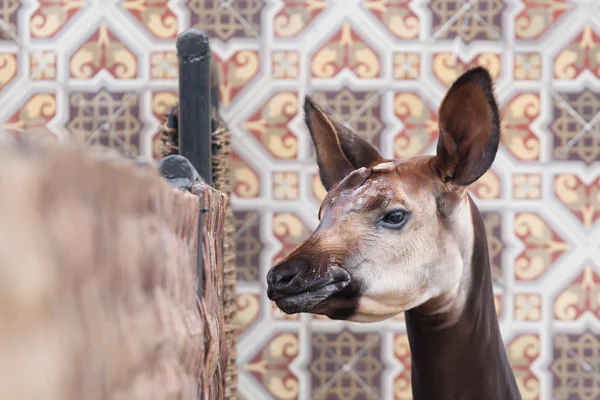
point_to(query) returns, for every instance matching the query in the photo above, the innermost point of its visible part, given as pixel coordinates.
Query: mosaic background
(105, 71)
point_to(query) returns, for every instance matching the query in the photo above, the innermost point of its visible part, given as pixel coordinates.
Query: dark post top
(195, 142)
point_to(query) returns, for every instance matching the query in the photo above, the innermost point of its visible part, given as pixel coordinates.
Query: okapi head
(394, 235)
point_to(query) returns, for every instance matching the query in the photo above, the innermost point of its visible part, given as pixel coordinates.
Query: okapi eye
(394, 218)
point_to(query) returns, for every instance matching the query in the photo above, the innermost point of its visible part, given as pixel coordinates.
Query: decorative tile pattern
(103, 71)
(8, 68)
(346, 365)
(477, 20)
(396, 16)
(542, 246)
(346, 50)
(447, 67)
(579, 55)
(517, 117)
(575, 366)
(247, 245)
(51, 16)
(235, 72)
(361, 111)
(522, 352)
(103, 50)
(581, 295)
(32, 118)
(270, 366)
(155, 16)
(9, 10)
(106, 118)
(295, 15)
(270, 125)
(574, 126)
(226, 20)
(538, 17)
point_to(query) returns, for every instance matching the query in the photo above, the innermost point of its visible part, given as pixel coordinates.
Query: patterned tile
(573, 137)
(402, 383)
(42, 66)
(543, 246)
(538, 17)
(517, 117)
(270, 366)
(50, 17)
(396, 16)
(295, 15)
(380, 67)
(290, 231)
(580, 296)
(493, 227)
(247, 245)
(579, 55)
(9, 10)
(269, 125)
(360, 110)
(522, 352)
(164, 65)
(103, 51)
(235, 73)
(246, 182)
(226, 20)
(420, 129)
(32, 118)
(407, 65)
(528, 66)
(527, 186)
(527, 307)
(93, 119)
(477, 20)
(583, 200)
(346, 50)
(248, 311)
(447, 67)
(346, 365)
(575, 366)
(155, 16)
(8, 68)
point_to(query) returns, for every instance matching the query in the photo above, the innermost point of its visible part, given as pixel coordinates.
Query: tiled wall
(105, 70)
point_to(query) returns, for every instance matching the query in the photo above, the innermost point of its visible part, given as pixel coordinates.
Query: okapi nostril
(285, 279)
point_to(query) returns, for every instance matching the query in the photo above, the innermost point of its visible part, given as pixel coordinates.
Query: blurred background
(105, 71)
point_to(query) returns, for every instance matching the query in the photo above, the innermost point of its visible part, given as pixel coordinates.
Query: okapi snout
(299, 285)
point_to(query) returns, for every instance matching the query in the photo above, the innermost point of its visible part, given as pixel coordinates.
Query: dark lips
(308, 300)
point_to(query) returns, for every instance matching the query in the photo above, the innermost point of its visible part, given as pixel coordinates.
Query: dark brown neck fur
(465, 360)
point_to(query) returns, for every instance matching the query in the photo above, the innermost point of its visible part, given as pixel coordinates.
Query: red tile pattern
(106, 72)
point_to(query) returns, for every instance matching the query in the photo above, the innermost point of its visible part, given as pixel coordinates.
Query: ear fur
(469, 125)
(339, 150)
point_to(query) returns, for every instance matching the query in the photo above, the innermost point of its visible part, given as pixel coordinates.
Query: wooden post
(195, 140)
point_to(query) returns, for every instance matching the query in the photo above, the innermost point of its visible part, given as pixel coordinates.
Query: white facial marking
(386, 166)
(395, 283)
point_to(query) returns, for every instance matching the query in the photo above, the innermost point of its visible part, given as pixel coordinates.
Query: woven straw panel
(221, 164)
(98, 281)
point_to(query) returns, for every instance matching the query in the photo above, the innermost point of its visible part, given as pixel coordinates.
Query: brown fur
(404, 236)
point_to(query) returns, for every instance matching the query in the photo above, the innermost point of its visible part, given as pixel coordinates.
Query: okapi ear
(469, 129)
(339, 150)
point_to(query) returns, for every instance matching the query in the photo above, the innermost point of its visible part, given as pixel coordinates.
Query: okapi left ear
(339, 150)
(469, 125)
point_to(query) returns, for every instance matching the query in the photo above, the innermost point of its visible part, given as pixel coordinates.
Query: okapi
(405, 236)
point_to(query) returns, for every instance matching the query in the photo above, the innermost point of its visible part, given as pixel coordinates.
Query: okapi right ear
(339, 150)
(469, 129)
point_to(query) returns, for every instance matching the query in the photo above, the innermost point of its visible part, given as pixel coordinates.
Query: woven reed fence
(221, 175)
(99, 280)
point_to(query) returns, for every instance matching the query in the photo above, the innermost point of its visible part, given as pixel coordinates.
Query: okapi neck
(464, 359)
